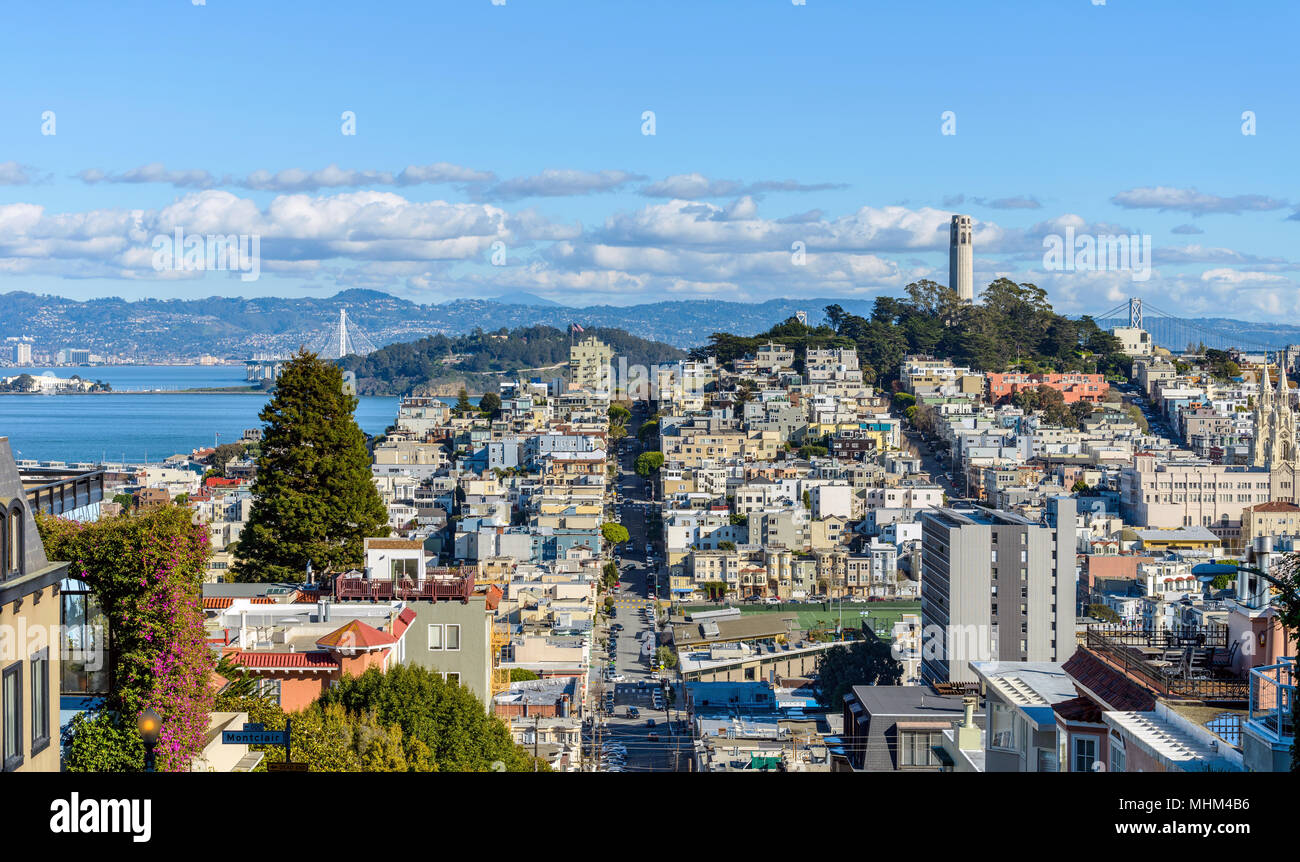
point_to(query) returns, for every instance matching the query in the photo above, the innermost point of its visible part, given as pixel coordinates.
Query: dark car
(650, 722)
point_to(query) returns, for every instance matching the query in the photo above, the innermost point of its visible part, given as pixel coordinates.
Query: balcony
(454, 584)
(1272, 701)
(1181, 662)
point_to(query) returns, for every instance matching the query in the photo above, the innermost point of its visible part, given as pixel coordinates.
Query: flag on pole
(576, 327)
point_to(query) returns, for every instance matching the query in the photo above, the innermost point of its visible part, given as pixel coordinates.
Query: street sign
(254, 734)
(257, 734)
(287, 767)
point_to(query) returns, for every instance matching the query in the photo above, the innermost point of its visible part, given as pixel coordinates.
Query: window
(453, 637)
(435, 637)
(452, 677)
(11, 554)
(404, 567)
(917, 748)
(82, 666)
(269, 689)
(1003, 734)
(1117, 757)
(1085, 753)
(11, 696)
(40, 662)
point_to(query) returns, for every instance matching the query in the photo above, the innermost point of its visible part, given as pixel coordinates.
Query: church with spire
(1275, 424)
(1274, 446)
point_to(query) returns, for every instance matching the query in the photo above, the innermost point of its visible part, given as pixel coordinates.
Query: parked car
(650, 722)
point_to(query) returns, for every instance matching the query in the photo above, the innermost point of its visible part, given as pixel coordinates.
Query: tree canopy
(615, 534)
(313, 496)
(868, 661)
(1011, 325)
(648, 462)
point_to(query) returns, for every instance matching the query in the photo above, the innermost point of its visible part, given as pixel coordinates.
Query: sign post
(257, 734)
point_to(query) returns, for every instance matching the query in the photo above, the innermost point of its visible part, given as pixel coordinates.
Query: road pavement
(646, 748)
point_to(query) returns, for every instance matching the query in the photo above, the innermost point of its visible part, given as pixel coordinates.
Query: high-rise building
(961, 261)
(589, 365)
(23, 353)
(73, 356)
(995, 586)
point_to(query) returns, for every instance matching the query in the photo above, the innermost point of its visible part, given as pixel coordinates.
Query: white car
(618, 677)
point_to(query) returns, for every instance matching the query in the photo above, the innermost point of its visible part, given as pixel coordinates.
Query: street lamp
(150, 724)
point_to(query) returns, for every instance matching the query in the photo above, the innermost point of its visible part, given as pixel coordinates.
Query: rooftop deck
(439, 585)
(1182, 662)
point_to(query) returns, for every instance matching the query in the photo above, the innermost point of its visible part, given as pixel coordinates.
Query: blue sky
(775, 124)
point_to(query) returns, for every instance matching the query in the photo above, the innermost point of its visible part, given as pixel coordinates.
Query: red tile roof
(1116, 690)
(356, 635)
(218, 603)
(1274, 506)
(403, 622)
(285, 660)
(1079, 709)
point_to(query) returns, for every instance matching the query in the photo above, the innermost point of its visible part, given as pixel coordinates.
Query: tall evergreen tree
(314, 498)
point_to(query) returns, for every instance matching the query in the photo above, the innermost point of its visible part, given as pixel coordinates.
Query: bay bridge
(333, 342)
(1178, 334)
(346, 339)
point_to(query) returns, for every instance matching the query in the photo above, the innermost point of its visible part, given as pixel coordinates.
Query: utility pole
(536, 721)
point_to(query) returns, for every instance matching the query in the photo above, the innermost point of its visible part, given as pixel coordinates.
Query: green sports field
(882, 617)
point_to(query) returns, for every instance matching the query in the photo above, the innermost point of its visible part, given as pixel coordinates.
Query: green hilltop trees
(314, 498)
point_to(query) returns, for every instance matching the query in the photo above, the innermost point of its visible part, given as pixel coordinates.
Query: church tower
(1274, 445)
(1263, 423)
(1281, 446)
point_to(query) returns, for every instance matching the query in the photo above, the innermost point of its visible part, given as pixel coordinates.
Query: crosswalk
(632, 603)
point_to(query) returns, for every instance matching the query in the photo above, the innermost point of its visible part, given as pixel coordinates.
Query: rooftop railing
(1181, 661)
(454, 584)
(1272, 700)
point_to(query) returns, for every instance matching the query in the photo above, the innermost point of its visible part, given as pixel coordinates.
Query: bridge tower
(1135, 312)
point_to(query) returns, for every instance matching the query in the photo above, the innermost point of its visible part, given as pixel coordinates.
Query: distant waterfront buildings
(22, 351)
(74, 356)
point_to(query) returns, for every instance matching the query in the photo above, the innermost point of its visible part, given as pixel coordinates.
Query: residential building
(996, 586)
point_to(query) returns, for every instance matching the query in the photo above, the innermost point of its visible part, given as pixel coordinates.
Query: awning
(925, 725)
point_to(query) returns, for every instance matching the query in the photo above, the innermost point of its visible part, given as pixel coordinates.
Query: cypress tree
(313, 496)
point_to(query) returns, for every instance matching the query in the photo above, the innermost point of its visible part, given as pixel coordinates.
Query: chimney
(967, 733)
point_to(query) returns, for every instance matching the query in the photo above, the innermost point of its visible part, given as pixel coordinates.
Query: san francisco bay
(148, 416)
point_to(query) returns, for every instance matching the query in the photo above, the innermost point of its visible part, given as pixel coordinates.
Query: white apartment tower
(961, 262)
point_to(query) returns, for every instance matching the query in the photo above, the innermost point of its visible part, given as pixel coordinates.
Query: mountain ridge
(238, 327)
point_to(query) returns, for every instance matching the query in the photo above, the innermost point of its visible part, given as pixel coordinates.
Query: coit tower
(961, 264)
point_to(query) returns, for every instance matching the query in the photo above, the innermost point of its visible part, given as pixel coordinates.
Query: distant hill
(527, 299)
(440, 364)
(234, 327)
